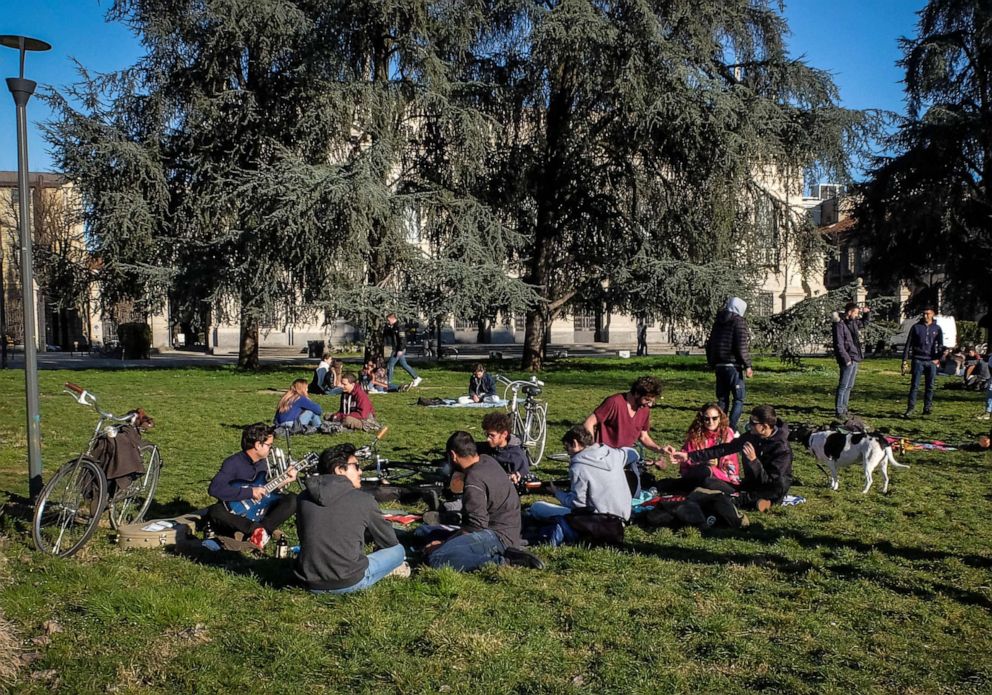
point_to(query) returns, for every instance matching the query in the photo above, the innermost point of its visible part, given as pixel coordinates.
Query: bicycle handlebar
(79, 390)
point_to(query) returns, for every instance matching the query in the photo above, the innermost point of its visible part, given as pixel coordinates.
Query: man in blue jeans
(394, 337)
(924, 345)
(490, 529)
(848, 351)
(332, 518)
(727, 351)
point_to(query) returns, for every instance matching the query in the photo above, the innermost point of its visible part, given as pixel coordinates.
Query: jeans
(469, 551)
(929, 370)
(548, 510)
(308, 418)
(381, 563)
(730, 382)
(988, 399)
(848, 373)
(399, 359)
(226, 524)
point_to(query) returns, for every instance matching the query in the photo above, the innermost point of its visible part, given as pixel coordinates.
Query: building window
(414, 226)
(766, 304)
(584, 322)
(766, 228)
(463, 324)
(520, 322)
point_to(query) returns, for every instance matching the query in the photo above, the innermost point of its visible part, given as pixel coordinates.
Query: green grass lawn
(846, 593)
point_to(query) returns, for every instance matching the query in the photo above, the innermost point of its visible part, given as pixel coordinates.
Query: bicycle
(531, 425)
(70, 505)
(384, 471)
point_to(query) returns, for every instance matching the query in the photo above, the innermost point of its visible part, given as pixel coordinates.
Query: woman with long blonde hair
(296, 410)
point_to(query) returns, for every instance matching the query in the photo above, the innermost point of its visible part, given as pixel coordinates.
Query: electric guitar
(253, 510)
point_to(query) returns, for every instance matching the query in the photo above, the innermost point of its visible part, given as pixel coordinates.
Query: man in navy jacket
(924, 346)
(848, 351)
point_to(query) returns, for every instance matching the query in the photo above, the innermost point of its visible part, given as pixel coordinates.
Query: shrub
(969, 333)
(136, 339)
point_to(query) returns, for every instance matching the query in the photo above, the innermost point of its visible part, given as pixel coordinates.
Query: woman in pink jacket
(711, 427)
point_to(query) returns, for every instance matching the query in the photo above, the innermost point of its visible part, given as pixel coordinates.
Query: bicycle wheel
(534, 433)
(69, 507)
(128, 506)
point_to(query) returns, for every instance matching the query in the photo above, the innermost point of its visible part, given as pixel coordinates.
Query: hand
(679, 457)
(399, 353)
(936, 362)
(257, 493)
(475, 398)
(749, 372)
(902, 370)
(553, 489)
(291, 474)
(431, 547)
(749, 451)
(515, 477)
(848, 364)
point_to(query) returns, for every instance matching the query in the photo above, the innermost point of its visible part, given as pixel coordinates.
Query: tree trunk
(248, 349)
(534, 340)
(374, 347)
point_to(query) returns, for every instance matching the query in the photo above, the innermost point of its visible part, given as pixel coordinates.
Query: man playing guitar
(241, 479)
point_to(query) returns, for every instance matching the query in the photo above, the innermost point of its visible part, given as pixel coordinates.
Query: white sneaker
(415, 383)
(985, 416)
(403, 571)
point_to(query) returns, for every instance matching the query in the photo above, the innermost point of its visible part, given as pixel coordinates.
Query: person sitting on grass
(333, 517)
(481, 387)
(767, 459)
(373, 378)
(327, 377)
(490, 528)
(710, 428)
(297, 412)
(356, 411)
(241, 478)
(504, 447)
(598, 486)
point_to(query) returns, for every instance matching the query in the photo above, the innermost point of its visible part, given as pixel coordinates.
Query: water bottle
(208, 531)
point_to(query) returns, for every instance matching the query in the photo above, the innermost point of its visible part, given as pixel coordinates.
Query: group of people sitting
(297, 413)
(752, 470)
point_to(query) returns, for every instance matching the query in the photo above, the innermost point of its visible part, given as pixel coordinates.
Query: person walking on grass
(848, 351)
(924, 345)
(727, 352)
(333, 517)
(395, 338)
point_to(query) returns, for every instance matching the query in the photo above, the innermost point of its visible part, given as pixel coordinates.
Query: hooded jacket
(770, 471)
(729, 340)
(511, 457)
(598, 481)
(847, 339)
(332, 517)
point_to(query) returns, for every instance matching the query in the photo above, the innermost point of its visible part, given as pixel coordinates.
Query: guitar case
(160, 533)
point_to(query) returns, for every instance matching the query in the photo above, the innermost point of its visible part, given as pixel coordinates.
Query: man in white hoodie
(598, 482)
(727, 352)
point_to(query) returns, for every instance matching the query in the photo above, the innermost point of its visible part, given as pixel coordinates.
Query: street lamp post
(22, 90)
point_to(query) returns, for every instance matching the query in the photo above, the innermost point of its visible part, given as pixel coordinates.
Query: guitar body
(251, 509)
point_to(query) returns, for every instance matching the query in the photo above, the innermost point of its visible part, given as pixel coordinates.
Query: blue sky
(855, 40)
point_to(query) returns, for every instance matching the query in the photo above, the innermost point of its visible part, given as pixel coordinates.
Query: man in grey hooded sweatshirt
(727, 352)
(598, 482)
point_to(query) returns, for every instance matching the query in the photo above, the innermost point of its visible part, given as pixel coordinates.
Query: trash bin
(315, 348)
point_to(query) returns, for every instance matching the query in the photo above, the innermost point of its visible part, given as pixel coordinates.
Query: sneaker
(927, 411)
(909, 413)
(745, 522)
(416, 382)
(518, 557)
(985, 416)
(259, 537)
(764, 505)
(403, 571)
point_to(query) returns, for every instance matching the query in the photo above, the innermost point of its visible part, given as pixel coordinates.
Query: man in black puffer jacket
(767, 459)
(847, 350)
(727, 352)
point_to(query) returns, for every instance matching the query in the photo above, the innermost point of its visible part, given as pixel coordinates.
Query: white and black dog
(837, 449)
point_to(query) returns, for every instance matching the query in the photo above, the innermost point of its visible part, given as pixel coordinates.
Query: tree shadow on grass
(702, 556)
(268, 571)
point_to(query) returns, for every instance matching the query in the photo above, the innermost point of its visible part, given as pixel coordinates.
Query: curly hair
(697, 430)
(646, 386)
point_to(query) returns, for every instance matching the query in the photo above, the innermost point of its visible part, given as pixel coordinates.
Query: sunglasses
(709, 418)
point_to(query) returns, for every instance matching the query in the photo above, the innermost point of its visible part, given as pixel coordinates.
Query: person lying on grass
(333, 516)
(598, 487)
(242, 478)
(504, 447)
(490, 528)
(767, 462)
(297, 411)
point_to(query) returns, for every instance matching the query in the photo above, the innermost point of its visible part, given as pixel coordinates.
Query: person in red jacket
(356, 411)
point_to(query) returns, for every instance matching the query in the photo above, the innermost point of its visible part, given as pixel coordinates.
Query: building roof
(837, 228)
(8, 179)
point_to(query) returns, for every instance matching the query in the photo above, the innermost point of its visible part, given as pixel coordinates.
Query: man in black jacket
(394, 337)
(332, 518)
(490, 530)
(924, 345)
(847, 350)
(767, 459)
(727, 352)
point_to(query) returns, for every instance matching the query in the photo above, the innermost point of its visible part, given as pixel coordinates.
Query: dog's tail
(892, 459)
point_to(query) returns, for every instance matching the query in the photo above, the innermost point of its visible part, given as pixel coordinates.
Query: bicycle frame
(84, 397)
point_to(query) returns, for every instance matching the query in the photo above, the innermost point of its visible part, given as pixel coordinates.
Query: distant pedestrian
(394, 337)
(924, 345)
(727, 351)
(848, 351)
(642, 338)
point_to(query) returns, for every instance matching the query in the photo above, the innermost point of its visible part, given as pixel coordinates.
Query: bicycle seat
(531, 390)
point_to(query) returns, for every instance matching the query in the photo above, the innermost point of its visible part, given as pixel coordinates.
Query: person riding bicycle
(333, 517)
(504, 447)
(241, 477)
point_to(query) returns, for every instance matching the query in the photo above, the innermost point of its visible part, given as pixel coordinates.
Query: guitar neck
(278, 481)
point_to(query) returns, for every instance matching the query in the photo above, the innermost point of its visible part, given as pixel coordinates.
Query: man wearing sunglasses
(767, 463)
(332, 518)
